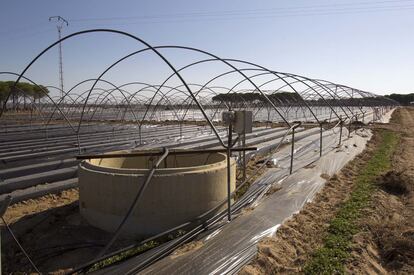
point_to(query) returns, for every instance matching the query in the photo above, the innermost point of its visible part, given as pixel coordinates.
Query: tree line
(256, 98)
(22, 95)
(407, 99)
(281, 98)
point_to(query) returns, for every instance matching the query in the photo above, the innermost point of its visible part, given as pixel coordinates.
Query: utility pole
(60, 22)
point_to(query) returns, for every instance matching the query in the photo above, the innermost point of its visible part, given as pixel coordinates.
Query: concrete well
(182, 188)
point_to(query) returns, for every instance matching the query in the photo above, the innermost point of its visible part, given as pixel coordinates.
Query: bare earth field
(385, 243)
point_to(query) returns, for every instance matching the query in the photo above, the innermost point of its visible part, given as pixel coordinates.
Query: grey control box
(228, 117)
(243, 122)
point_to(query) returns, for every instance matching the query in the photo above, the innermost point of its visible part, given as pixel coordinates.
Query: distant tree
(22, 90)
(4, 89)
(256, 97)
(403, 99)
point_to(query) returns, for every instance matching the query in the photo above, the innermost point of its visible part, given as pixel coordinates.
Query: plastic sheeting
(387, 116)
(227, 248)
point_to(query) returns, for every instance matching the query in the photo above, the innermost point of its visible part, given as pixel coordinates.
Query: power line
(283, 11)
(261, 16)
(228, 15)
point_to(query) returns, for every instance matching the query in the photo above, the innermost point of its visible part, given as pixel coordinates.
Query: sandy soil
(31, 207)
(386, 244)
(53, 233)
(187, 248)
(388, 217)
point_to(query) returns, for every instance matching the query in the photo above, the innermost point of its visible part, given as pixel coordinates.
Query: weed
(331, 257)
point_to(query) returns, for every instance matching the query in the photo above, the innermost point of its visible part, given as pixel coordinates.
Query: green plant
(330, 258)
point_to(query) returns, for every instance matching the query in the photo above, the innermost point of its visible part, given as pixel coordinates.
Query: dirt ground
(53, 233)
(30, 207)
(386, 242)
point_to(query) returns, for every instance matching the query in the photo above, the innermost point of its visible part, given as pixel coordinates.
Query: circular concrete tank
(182, 188)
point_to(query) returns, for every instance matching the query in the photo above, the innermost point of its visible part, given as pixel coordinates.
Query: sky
(362, 44)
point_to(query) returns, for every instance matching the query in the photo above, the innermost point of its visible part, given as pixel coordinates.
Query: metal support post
(340, 130)
(229, 143)
(139, 133)
(293, 147)
(31, 117)
(239, 142)
(268, 119)
(79, 145)
(244, 156)
(320, 141)
(292, 151)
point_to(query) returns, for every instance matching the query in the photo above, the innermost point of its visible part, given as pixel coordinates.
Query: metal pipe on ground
(157, 153)
(341, 123)
(228, 152)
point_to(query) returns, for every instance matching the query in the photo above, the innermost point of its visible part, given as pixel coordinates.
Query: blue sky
(362, 44)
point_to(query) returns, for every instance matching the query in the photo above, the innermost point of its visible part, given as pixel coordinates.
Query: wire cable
(333, 7)
(20, 246)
